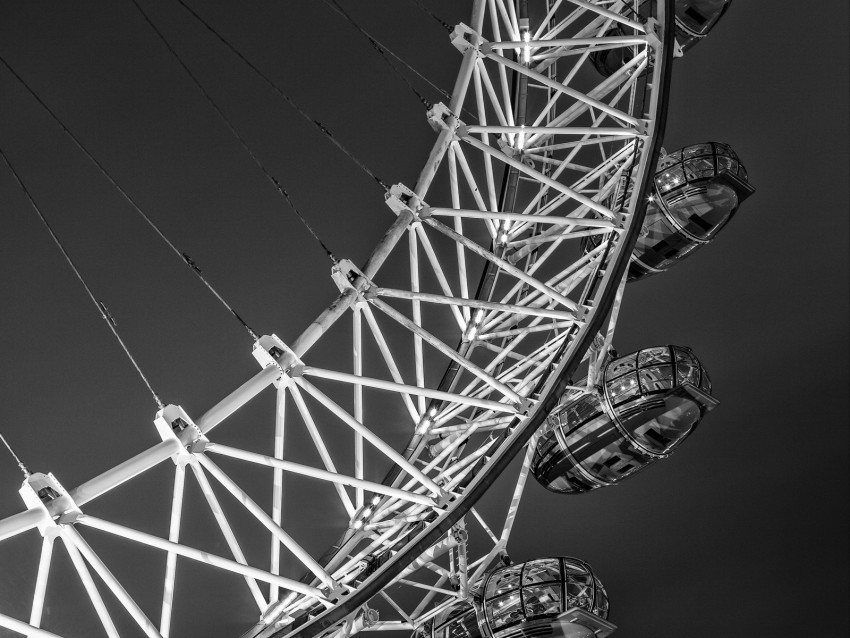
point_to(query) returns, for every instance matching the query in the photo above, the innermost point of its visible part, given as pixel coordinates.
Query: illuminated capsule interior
(535, 599)
(695, 192)
(694, 19)
(651, 401)
(458, 621)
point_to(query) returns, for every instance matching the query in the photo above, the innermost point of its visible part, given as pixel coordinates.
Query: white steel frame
(519, 343)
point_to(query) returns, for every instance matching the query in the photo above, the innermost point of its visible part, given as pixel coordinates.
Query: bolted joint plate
(270, 350)
(45, 492)
(440, 117)
(463, 37)
(172, 422)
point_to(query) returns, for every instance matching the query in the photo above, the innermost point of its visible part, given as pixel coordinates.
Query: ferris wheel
(475, 340)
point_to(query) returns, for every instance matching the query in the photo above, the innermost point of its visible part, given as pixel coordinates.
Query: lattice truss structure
(471, 316)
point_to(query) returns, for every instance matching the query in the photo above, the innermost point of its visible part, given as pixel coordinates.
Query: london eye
(361, 464)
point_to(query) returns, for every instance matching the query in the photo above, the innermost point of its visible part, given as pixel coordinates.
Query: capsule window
(699, 168)
(656, 378)
(504, 581)
(541, 571)
(705, 213)
(660, 244)
(615, 461)
(623, 388)
(672, 178)
(695, 150)
(542, 599)
(687, 372)
(726, 164)
(505, 610)
(659, 430)
(621, 366)
(654, 355)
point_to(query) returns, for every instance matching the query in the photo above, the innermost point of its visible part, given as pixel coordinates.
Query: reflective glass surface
(704, 211)
(700, 16)
(541, 571)
(581, 447)
(504, 580)
(547, 588)
(662, 427)
(542, 599)
(504, 610)
(660, 244)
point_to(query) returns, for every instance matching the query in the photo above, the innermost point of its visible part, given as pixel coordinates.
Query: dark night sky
(742, 533)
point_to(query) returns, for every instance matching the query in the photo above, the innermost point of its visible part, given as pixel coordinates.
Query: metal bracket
(172, 422)
(401, 199)
(270, 350)
(45, 492)
(462, 37)
(440, 116)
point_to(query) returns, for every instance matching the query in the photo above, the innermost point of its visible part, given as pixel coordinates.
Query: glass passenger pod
(652, 400)
(696, 191)
(694, 19)
(458, 621)
(541, 597)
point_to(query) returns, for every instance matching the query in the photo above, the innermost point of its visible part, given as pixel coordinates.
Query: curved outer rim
(554, 386)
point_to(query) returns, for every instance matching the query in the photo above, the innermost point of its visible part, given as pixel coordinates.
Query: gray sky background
(743, 532)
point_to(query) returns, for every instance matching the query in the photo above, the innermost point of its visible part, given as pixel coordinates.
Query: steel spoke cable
(184, 256)
(104, 312)
(431, 14)
(274, 181)
(19, 462)
(384, 51)
(286, 98)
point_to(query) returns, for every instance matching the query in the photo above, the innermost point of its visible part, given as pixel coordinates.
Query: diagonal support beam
(240, 495)
(199, 555)
(305, 470)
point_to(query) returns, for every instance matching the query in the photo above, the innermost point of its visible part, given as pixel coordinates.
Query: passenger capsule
(558, 597)
(458, 621)
(694, 19)
(695, 193)
(650, 402)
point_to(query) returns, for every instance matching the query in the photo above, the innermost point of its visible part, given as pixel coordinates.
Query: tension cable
(286, 98)
(274, 181)
(104, 312)
(127, 197)
(383, 51)
(15, 456)
(428, 11)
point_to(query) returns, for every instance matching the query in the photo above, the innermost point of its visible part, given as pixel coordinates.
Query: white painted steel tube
(446, 350)
(370, 436)
(519, 217)
(227, 531)
(171, 561)
(25, 629)
(198, 555)
(552, 130)
(306, 470)
(616, 40)
(258, 512)
(41, 580)
(115, 587)
(88, 583)
(236, 399)
(124, 472)
(21, 522)
(380, 384)
(495, 306)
